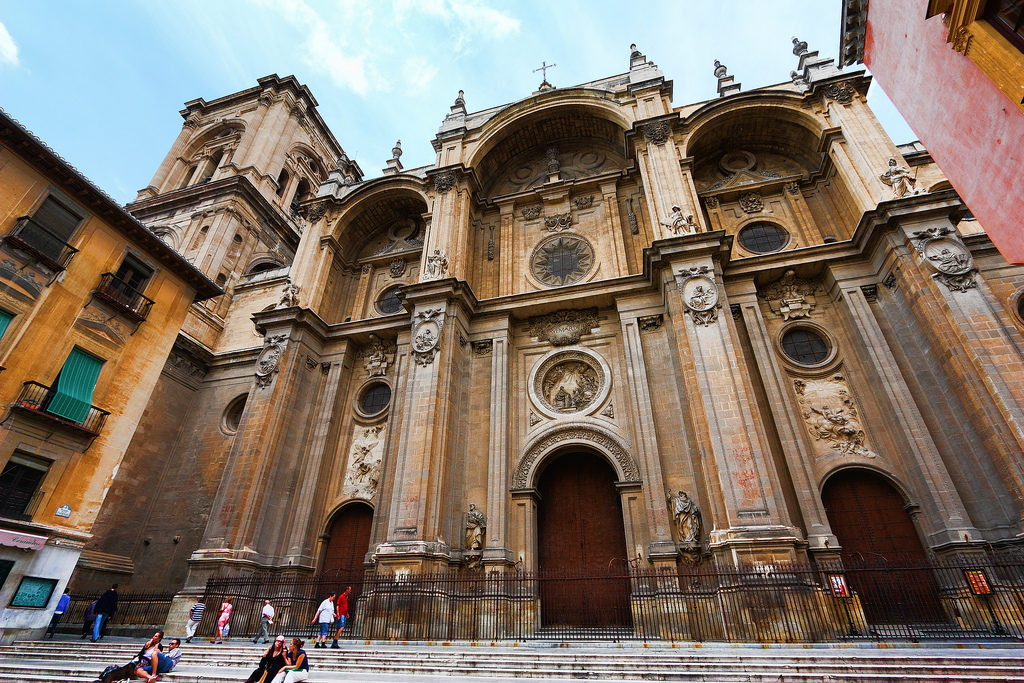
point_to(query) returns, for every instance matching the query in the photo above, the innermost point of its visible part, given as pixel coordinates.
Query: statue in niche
(679, 223)
(376, 357)
(688, 520)
(289, 295)
(552, 160)
(476, 523)
(899, 179)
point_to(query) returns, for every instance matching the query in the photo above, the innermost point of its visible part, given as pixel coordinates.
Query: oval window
(763, 238)
(375, 398)
(388, 302)
(804, 346)
(233, 414)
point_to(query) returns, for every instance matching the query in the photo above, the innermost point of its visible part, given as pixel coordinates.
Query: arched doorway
(581, 544)
(348, 542)
(880, 547)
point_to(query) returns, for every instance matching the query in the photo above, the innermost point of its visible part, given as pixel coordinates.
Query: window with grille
(763, 238)
(19, 481)
(805, 346)
(1007, 17)
(389, 303)
(375, 399)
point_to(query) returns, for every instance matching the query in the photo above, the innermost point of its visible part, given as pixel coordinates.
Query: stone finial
(461, 99)
(636, 58)
(394, 165)
(799, 46)
(459, 107)
(725, 81)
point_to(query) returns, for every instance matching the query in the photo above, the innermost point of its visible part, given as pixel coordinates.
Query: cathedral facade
(600, 330)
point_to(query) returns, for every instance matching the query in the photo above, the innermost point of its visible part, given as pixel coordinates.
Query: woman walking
(222, 620)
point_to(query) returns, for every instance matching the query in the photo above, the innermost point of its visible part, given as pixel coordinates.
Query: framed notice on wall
(33, 592)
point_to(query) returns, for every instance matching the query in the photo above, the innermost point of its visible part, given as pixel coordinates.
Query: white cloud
(418, 74)
(8, 48)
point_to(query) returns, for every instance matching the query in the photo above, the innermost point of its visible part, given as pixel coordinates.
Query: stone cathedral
(599, 331)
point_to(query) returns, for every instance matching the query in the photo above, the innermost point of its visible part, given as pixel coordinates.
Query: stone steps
(67, 661)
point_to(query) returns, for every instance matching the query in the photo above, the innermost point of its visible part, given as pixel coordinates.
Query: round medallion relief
(562, 260)
(569, 382)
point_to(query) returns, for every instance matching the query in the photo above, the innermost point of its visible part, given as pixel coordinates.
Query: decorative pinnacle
(720, 70)
(799, 46)
(396, 151)
(461, 99)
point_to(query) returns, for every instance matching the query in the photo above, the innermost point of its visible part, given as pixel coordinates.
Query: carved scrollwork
(831, 416)
(269, 358)
(426, 335)
(558, 222)
(649, 323)
(657, 132)
(583, 202)
(840, 92)
(530, 213)
(790, 296)
(630, 471)
(397, 267)
(444, 181)
(700, 294)
(711, 202)
(562, 328)
(751, 202)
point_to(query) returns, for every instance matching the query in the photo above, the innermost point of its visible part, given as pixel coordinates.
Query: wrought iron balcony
(35, 398)
(123, 296)
(46, 246)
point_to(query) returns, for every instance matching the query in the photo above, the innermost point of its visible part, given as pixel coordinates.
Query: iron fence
(33, 237)
(130, 300)
(770, 603)
(134, 609)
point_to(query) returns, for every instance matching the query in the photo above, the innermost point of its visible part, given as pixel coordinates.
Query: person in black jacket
(106, 606)
(270, 664)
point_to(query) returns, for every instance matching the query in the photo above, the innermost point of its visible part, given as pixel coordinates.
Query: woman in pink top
(222, 620)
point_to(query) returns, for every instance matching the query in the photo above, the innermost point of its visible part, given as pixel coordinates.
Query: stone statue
(687, 516)
(376, 357)
(437, 265)
(475, 525)
(552, 160)
(680, 224)
(899, 179)
(289, 296)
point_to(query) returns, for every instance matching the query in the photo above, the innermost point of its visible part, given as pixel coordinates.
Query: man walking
(62, 607)
(341, 614)
(325, 617)
(195, 615)
(106, 606)
(266, 620)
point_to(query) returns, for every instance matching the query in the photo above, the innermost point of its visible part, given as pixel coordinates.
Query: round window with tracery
(763, 238)
(805, 346)
(562, 260)
(388, 303)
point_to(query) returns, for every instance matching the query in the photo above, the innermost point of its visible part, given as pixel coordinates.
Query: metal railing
(781, 603)
(35, 398)
(32, 236)
(134, 609)
(121, 294)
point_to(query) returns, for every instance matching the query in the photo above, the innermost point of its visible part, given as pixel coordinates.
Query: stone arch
(349, 512)
(893, 480)
(370, 210)
(564, 436)
(778, 107)
(233, 127)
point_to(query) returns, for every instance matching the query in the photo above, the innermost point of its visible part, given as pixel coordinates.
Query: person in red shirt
(341, 612)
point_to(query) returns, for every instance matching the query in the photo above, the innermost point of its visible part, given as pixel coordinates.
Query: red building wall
(969, 126)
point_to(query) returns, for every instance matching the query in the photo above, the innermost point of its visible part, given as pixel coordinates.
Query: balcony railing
(35, 398)
(125, 297)
(32, 236)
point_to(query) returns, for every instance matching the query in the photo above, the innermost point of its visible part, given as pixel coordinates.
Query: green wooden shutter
(73, 393)
(5, 320)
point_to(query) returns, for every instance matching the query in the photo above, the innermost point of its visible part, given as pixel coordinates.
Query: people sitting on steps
(156, 662)
(296, 667)
(271, 663)
(127, 671)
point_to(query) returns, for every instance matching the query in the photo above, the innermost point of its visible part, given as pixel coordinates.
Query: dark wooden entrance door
(581, 544)
(343, 558)
(886, 562)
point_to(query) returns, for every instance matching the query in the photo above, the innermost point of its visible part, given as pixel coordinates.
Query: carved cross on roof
(544, 66)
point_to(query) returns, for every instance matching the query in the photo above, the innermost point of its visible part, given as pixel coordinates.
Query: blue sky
(102, 81)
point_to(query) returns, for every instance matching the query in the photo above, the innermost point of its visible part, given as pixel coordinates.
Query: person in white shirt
(266, 620)
(325, 617)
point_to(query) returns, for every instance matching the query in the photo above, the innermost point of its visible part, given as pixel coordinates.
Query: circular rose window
(569, 382)
(562, 260)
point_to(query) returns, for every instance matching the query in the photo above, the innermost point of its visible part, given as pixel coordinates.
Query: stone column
(947, 520)
(449, 229)
(415, 524)
(507, 256)
(749, 514)
(613, 228)
(496, 548)
(788, 422)
(158, 184)
(661, 546)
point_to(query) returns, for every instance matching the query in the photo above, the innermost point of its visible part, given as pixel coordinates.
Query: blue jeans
(163, 664)
(98, 625)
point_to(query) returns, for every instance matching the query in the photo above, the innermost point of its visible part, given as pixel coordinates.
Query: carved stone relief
(558, 222)
(751, 202)
(377, 356)
(476, 523)
(397, 267)
(678, 223)
(534, 418)
(289, 295)
(426, 335)
(583, 202)
(269, 358)
(483, 347)
(634, 225)
(444, 181)
(609, 411)
(530, 213)
(700, 294)
(941, 249)
(362, 477)
(657, 132)
(569, 382)
(437, 266)
(790, 296)
(630, 471)
(649, 323)
(562, 260)
(840, 92)
(562, 328)
(831, 416)
(687, 516)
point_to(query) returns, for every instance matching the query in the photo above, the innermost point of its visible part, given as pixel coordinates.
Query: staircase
(74, 660)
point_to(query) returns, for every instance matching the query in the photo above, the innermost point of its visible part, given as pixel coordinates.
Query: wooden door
(581, 544)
